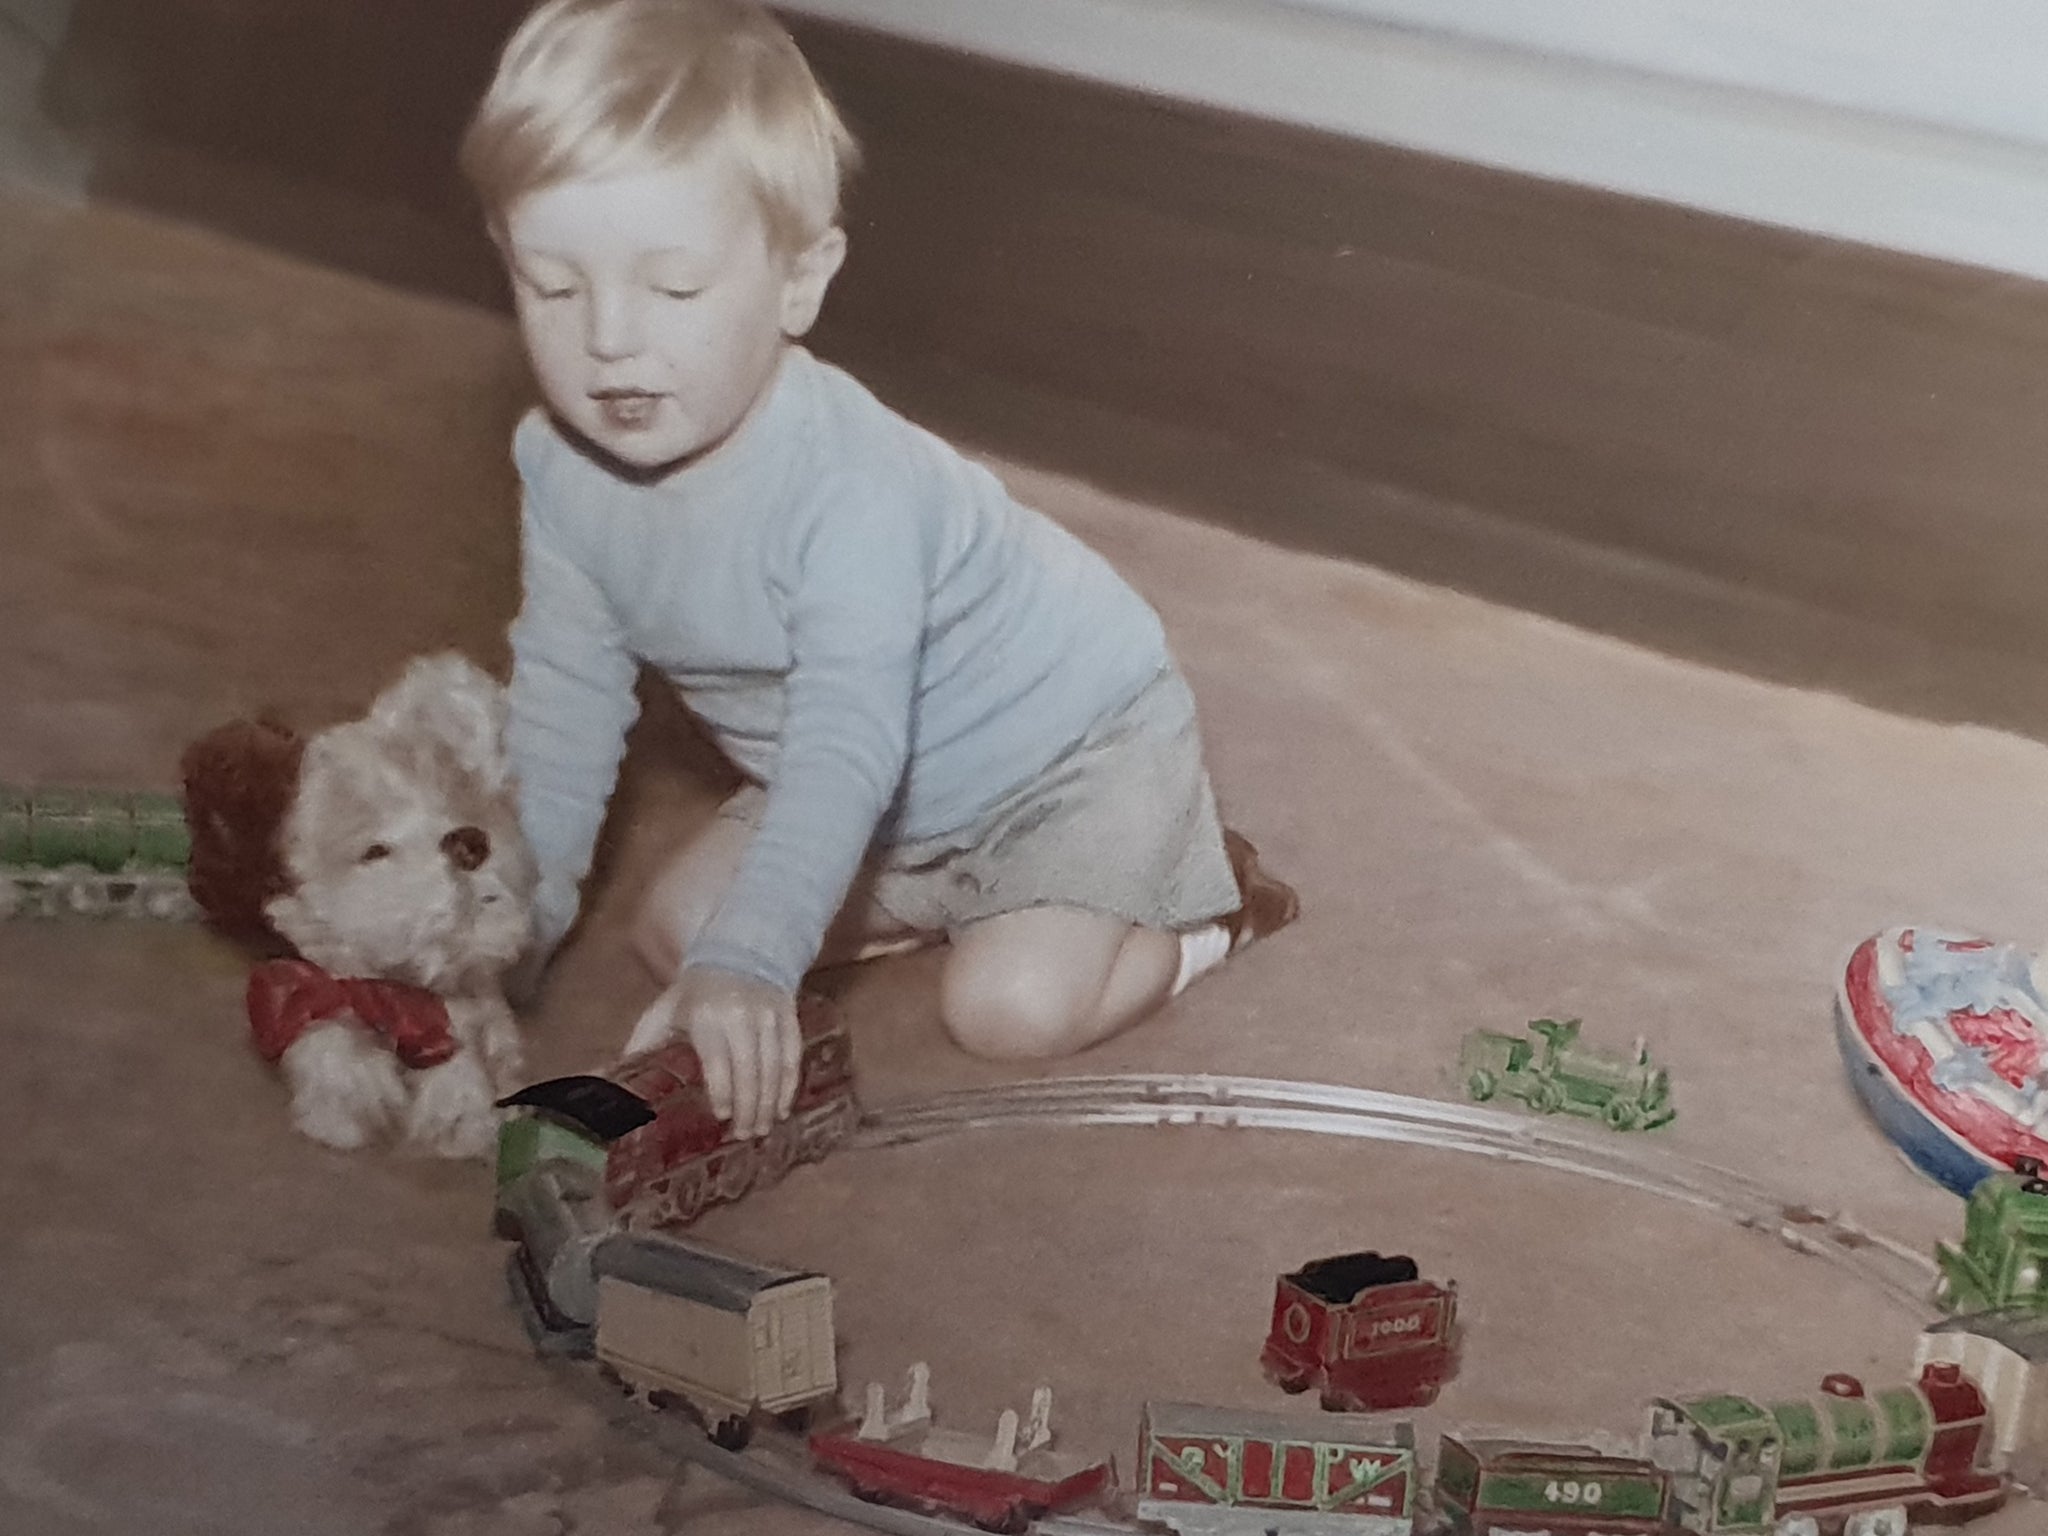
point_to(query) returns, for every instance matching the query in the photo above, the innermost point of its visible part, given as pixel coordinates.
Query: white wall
(1916, 124)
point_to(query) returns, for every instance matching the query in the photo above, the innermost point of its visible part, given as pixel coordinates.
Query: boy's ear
(811, 272)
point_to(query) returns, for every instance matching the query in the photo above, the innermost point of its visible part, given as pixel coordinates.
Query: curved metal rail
(1333, 1110)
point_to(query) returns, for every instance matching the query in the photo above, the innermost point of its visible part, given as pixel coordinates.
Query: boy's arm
(857, 625)
(571, 701)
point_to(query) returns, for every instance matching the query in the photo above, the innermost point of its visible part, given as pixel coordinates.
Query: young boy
(957, 719)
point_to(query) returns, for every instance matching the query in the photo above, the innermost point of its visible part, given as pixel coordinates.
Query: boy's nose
(467, 847)
(613, 331)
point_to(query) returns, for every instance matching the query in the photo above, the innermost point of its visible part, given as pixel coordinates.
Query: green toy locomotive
(93, 853)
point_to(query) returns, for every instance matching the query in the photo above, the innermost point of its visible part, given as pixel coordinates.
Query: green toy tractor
(1551, 1072)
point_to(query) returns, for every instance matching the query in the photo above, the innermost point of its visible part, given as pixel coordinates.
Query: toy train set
(739, 1345)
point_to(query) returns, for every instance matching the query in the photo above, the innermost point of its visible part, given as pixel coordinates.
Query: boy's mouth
(627, 410)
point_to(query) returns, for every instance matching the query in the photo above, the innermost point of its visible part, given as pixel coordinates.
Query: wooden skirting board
(1804, 459)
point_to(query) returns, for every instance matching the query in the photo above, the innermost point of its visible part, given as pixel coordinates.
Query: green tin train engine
(93, 853)
(1862, 1464)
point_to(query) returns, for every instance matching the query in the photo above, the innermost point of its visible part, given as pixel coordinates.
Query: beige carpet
(227, 481)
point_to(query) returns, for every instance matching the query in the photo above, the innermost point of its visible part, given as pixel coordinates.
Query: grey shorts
(1122, 823)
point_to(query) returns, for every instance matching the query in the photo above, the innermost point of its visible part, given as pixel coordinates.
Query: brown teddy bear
(379, 866)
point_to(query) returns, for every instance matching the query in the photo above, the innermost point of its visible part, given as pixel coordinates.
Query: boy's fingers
(774, 1071)
(746, 1080)
(792, 1042)
(768, 1087)
(717, 1080)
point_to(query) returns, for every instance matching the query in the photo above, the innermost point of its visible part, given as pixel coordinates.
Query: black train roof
(676, 1267)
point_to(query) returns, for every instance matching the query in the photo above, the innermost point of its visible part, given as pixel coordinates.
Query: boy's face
(653, 306)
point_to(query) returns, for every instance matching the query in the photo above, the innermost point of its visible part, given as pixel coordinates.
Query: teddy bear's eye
(375, 852)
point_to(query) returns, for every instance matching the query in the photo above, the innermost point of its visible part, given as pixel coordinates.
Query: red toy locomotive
(668, 1156)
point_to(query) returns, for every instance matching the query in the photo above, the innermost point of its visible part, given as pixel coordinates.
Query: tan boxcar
(728, 1336)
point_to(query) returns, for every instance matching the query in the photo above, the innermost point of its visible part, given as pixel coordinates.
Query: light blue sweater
(867, 622)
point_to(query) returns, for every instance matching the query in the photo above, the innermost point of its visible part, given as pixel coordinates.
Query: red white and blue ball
(1946, 1040)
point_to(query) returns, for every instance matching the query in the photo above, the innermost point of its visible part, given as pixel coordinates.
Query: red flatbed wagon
(1000, 1484)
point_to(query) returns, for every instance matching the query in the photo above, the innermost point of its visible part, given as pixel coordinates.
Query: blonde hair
(597, 87)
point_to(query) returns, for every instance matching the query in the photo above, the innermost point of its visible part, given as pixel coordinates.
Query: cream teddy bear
(381, 861)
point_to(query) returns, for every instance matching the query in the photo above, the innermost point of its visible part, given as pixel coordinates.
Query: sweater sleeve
(857, 616)
(570, 703)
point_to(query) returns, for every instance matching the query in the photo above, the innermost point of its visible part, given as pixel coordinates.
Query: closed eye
(678, 293)
(550, 291)
(374, 852)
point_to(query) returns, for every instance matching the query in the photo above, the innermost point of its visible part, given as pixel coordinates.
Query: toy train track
(775, 1465)
(1333, 1110)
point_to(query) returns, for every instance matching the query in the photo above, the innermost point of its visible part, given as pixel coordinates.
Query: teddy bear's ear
(452, 699)
(239, 783)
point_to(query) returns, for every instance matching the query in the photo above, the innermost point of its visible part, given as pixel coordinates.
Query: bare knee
(1007, 1010)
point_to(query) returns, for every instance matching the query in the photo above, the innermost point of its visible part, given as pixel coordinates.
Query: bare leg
(688, 888)
(1048, 981)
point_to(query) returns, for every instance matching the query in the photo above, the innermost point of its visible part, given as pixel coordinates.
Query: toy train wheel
(778, 1154)
(1877, 1522)
(80, 894)
(167, 900)
(1014, 1521)
(1482, 1085)
(736, 1174)
(1797, 1525)
(1292, 1384)
(683, 1200)
(1546, 1098)
(1621, 1114)
(732, 1433)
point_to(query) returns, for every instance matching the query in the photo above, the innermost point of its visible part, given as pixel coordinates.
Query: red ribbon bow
(288, 997)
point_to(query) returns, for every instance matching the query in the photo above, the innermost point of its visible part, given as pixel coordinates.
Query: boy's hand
(746, 1037)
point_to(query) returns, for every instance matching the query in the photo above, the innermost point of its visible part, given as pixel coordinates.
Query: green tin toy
(2003, 1256)
(93, 853)
(1849, 1460)
(1549, 1070)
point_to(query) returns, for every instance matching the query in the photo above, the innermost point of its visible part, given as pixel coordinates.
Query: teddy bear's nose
(467, 847)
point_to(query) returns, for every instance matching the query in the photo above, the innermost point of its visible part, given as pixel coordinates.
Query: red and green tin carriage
(1207, 1471)
(1498, 1487)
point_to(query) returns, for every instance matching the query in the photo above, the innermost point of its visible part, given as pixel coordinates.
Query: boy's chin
(643, 453)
